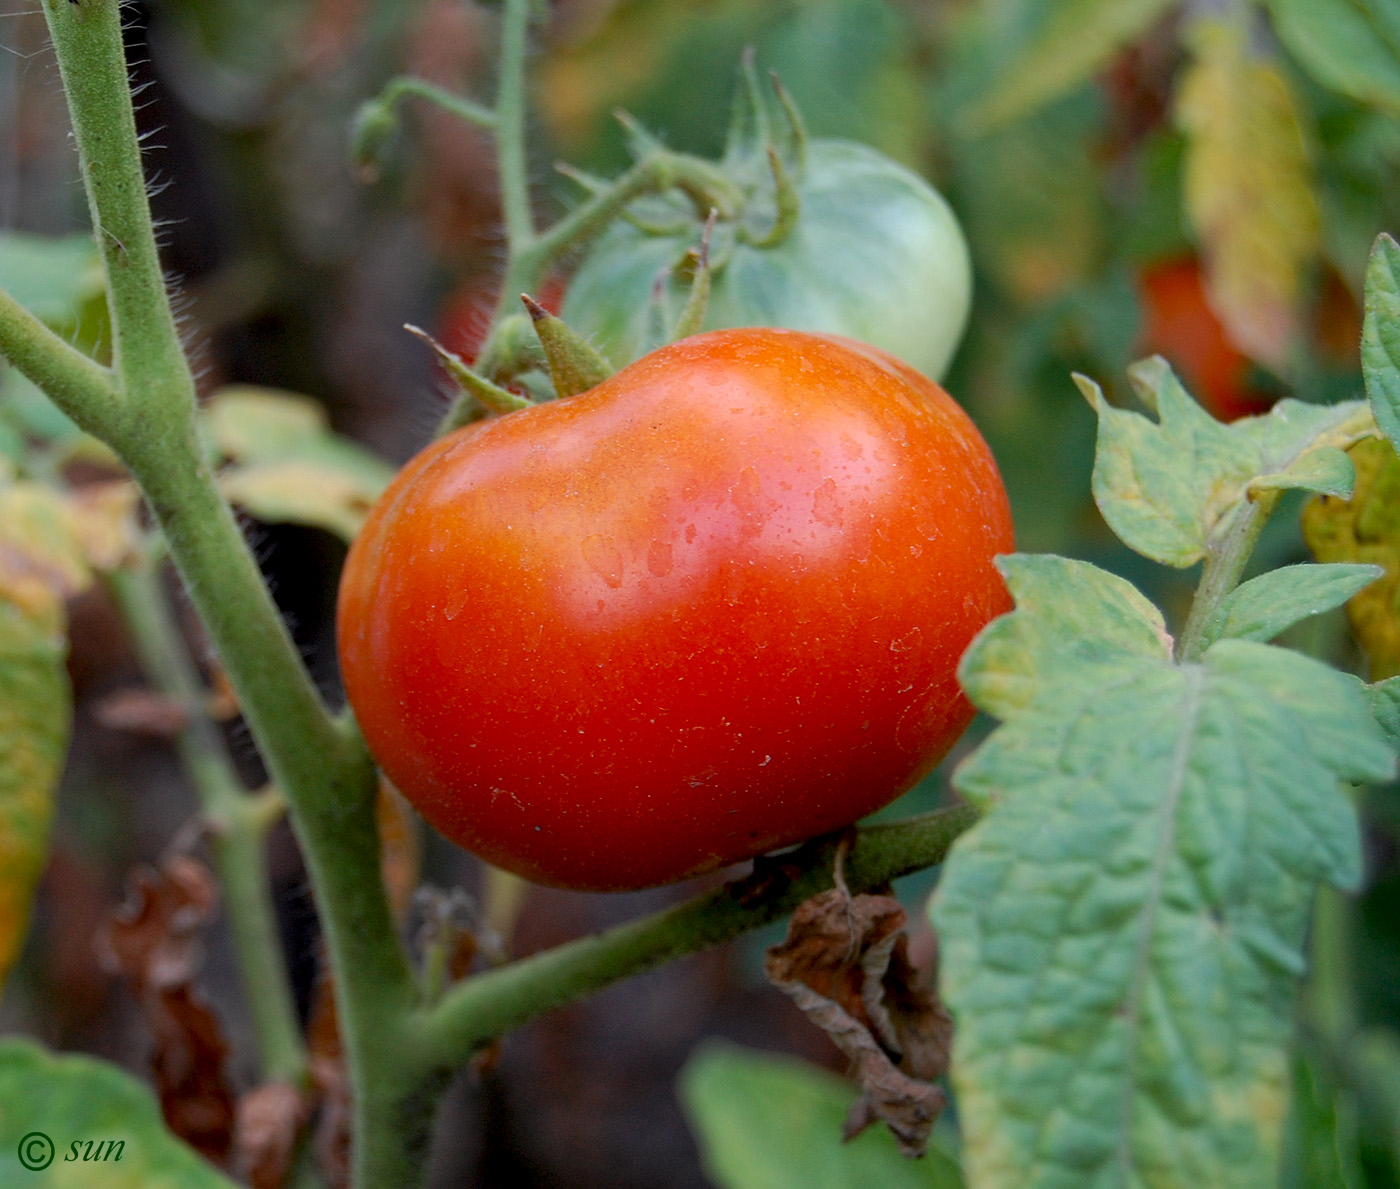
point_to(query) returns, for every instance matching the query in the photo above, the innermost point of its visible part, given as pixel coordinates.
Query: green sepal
(698, 303)
(575, 365)
(492, 396)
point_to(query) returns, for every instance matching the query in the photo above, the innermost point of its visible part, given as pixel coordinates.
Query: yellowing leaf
(41, 562)
(289, 466)
(34, 713)
(248, 422)
(103, 517)
(1249, 188)
(297, 492)
(1366, 528)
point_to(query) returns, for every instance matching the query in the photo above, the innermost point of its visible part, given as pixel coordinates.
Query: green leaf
(74, 1100)
(1264, 606)
(52, 278)
(1384, 698)
(1352, 46)
(289, 466)
(1077, 39)
(1170, 488)
(1380, 336)
(34, 721)
(1069, 614)
(771, 1122)
(1122, 932)
(1326, 470)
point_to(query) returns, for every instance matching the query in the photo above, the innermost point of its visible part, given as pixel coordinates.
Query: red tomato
(1179, 324)
(711, 607)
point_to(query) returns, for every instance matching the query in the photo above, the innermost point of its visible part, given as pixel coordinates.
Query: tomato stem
(479, 1009)
(239, 818)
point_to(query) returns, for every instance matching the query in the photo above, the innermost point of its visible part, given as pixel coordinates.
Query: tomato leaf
(1352, 46)
(1122, 931)
(1384, 698)
(1084, 616)
(53, 278)
(1264, 606)
(1380, 336)
(288, 465)
(34, 722)
(1366, 528)
(74, 1100)
(1077, 39)
(845, 964)
(1248, 186)
(1167, 488)
(772, 1122)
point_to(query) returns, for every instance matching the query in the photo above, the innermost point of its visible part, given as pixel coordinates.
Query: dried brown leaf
(142, 712)
(845, 964)
(270, 1120)
(153, 940)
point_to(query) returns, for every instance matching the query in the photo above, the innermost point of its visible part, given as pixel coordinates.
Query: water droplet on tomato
(603, 559)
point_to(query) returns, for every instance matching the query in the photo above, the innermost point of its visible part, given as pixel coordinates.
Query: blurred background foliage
(1202, 180)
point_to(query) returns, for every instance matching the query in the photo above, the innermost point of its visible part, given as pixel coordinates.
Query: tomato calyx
(760, 202)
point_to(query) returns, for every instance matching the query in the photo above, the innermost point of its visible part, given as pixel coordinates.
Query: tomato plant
(710, 607)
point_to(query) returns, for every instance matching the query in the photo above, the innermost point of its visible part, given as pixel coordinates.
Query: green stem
(146, 353)
(323, 770)
(510, 127)
(487, 1005)
(457, 105)
(84, 389)
(239, 824)
(329, 781)
(1224, 565)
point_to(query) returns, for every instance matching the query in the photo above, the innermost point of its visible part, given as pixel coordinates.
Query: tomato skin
(877, 254)
(711, 607)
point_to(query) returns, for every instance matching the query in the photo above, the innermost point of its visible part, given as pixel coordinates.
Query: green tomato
(875, 254)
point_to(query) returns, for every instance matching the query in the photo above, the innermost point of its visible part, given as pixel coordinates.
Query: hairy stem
(239, 825)
(82, 388)
(481, 1008)
(510, 126)
(322, 769)
(464, 109)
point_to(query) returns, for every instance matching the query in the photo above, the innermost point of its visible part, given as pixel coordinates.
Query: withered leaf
(153, 940)
(270, 1119)
(845, 963)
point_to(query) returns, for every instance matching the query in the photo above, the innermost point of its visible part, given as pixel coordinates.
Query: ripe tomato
(1179, 324)
(710, 607)
(876, 254)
